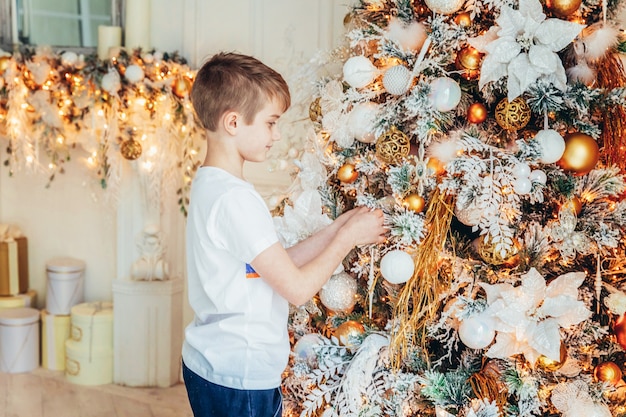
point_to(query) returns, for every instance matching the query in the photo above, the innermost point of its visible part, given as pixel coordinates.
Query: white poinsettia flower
(527, 318)
(523, 47)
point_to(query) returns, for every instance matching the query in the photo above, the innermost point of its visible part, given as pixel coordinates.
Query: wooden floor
(45, 393)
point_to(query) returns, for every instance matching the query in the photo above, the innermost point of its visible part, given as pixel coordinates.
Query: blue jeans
(212, 400)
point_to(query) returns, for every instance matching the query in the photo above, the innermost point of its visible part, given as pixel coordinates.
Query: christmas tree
(491, 134)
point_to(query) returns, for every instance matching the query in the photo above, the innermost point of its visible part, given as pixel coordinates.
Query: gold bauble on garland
(581, 154)
(551, 365)
(131, 149)
(608, 372)
(347, 173)
(563, 8)
(414, 202)
(393, 146)
(315, 110)
(468, 61)
(5, 61)
(512, 115)
(349, 333)
(181, 87)
(436, 166)
(619, 330)
(477, 113)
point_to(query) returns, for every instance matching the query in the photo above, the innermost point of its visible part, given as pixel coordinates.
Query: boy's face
(257, 138)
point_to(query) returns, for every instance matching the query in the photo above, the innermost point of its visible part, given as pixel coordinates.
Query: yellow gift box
(55, 331)
(14, 266)
(27, 299)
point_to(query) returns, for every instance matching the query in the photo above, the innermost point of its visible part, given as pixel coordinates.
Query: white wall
(74, 217)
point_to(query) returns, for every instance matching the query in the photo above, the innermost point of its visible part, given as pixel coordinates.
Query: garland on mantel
(62, 107)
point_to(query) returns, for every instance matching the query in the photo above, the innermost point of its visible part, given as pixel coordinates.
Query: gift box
(65, 284)
(13, 266)
(88, 366)
(55, 330)
(28, 299)
(19, 340)
(92, 325)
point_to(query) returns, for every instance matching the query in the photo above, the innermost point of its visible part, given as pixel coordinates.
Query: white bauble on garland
(522, 186)
(111, 81)
(552, 145)
(477, 332)
(362, 121)
(469, 216)
(358, 71)
(397, 266)
(69, 58)
(445, 94)
(397, 80)
(338, 294)
(444, 6)
(134, 73)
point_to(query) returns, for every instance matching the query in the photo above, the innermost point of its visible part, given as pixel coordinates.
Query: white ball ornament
(444, 6)
(552, 145)
(521, 170)
(338, 294)
(69, 58)
(397, 80)
(538, 175)
(304, 347)
(469, 216)
(477, 332)
(397, 266)
(358, 71)
(410, 37)
(362, 120)
(111, 81)
(134, 73)
(445, 94)
(522, 185)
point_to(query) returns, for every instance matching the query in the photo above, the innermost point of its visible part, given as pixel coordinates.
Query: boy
(240, 278)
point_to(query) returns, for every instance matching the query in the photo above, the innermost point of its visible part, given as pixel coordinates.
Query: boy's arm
(298, 284)
(309, 248)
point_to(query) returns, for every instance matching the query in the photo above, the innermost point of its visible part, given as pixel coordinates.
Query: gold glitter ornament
(131, 149)
(512, 115)
(393, 146)
(486, 248)
(315, 110)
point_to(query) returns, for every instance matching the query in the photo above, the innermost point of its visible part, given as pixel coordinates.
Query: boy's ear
(231, 120)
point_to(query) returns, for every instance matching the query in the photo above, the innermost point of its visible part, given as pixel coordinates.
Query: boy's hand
(365, 226)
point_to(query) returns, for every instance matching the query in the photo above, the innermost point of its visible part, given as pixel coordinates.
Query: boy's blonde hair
(235, 82)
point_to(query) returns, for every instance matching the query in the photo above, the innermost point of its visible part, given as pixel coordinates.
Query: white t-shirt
(238, 337)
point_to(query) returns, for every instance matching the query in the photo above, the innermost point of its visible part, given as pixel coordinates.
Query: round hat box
(19, 340)
(65, 286)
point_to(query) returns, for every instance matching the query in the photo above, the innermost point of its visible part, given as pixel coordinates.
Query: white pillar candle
(137, 24)
(108, 37)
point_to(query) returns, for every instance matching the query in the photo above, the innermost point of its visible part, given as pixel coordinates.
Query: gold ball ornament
(608, 372)
(436, 166)
(315, 110)
(130, 149)
(414, 202)
(619, 330)
(551, 365)
(348, 333)
(581, 154)
(468, 60)
(444, 6)
(5, 61)
(512, 115)
(488, 252)
(563, 8)
(393, 146)
(347, 173)
(476, 113)
(463, 19)
(574, 204)
(181, 87)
